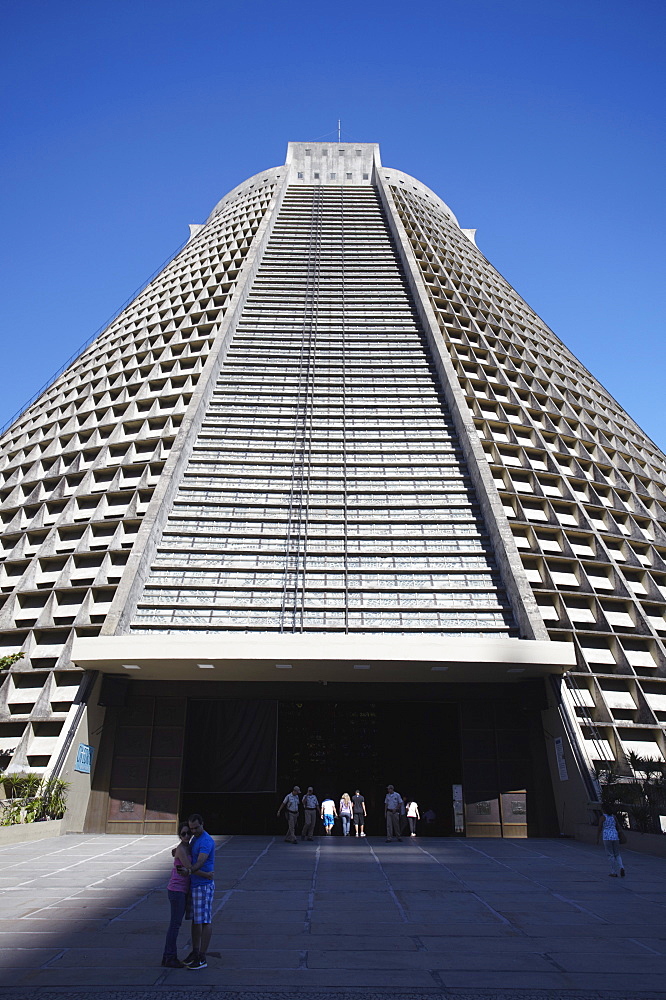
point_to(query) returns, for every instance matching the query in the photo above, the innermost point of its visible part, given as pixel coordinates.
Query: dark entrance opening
(422, 738)
(337, 746)
(341, 746)
(231, 750)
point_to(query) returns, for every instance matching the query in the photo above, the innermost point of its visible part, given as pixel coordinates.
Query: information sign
(84, 758)
(561, 761)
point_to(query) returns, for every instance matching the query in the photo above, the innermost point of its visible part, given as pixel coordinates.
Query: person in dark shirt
(290, 803)
(359, 813)
(310, 806)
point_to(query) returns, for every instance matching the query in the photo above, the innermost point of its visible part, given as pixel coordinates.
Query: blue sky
(540, 124)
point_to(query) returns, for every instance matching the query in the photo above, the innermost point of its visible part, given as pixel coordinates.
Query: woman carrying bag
(612, 835)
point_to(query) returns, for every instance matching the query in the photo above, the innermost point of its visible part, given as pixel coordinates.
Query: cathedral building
(328, 503)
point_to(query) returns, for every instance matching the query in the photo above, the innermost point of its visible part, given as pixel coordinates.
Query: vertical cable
(293, 552)
(345, 519)
(308, 422)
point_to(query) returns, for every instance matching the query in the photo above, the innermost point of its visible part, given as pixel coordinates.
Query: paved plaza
(85, 916)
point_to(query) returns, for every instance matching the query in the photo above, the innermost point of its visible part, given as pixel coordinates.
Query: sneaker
(363, 835)
(400, 839)
(388, 841)
(191, 958)
(412, 834)
(612, 875)
(171, 962)
(200, 963)
(622, 872)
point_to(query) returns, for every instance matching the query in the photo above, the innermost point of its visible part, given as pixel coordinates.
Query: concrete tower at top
(330, 449)
(332, 163)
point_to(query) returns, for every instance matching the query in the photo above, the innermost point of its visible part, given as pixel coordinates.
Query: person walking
(310, 804)
(412, 816)
(393, 805)
(328, 815)
(358, 807)
(345, 813)
(609, 831)
(291, 802)
(202, 888)
(404, 825)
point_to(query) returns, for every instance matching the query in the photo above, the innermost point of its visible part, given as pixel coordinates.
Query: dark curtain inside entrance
(231, 746)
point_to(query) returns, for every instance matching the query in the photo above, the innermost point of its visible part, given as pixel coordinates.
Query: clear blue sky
(539, 123)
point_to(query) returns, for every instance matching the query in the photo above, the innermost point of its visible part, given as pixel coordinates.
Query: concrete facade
(330, 429)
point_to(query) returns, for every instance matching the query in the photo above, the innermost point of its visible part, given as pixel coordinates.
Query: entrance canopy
(312, 656)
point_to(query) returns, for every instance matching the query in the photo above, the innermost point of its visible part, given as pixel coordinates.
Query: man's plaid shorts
(202, 903)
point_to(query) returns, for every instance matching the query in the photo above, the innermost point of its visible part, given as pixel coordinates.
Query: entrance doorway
(338, 746)
(341, 746)
(240, 747)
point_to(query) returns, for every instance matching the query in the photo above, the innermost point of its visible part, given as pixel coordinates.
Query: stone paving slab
(443, 919)
(213, 993)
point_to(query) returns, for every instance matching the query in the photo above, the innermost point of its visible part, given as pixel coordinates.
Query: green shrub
(642, 795)
(10, 812)
(6, 661)
(21, 784)
(53, 796)
(31, 798)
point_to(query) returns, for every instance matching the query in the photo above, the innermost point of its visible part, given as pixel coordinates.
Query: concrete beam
(319, 657)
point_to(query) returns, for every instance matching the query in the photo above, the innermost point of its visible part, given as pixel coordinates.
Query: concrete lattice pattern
(582, 486)
(79, 467)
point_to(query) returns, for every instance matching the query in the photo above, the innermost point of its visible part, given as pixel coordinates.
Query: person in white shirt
(393, 805)
(412, 815)
(328, 814)
(291, 803)
(310, 806)
(609, 831)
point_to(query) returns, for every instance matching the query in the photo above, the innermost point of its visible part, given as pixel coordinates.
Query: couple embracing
(190, 890)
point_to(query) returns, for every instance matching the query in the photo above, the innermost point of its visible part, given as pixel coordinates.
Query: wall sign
(84, 758)
(559, 757)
